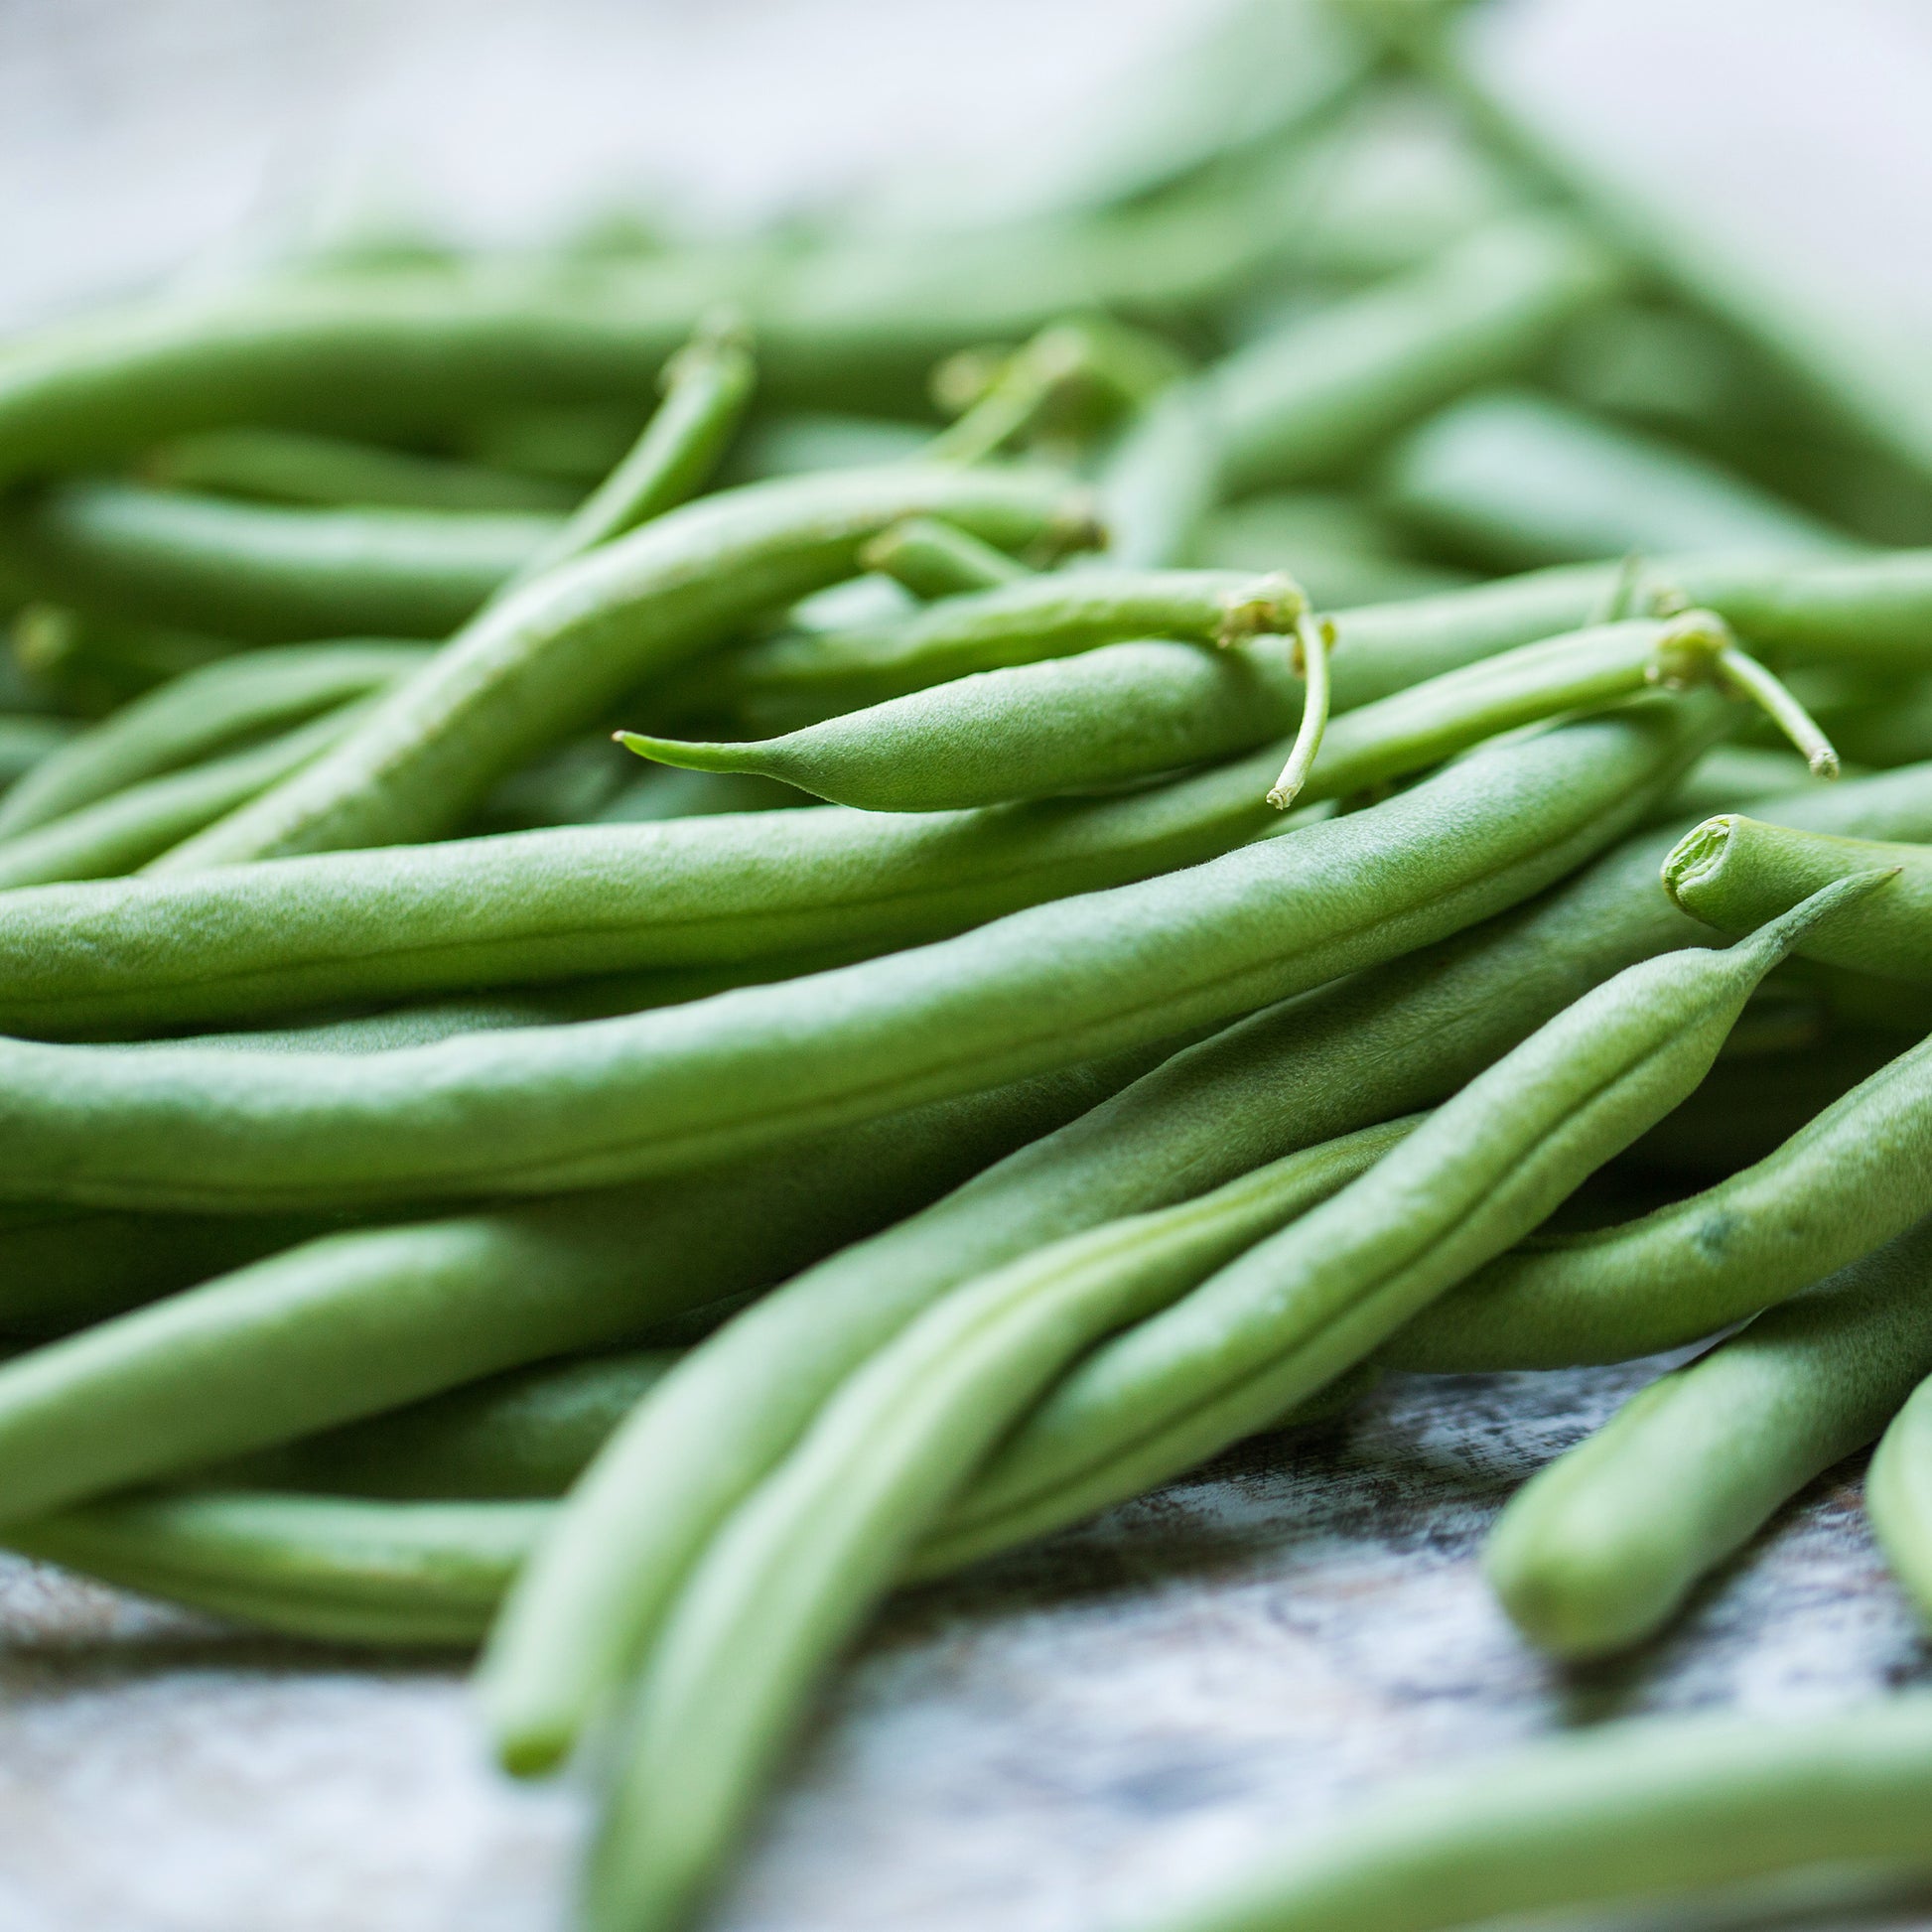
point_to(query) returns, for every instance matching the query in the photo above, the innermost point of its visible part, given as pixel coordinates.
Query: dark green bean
(1323, 391)
(290, 467)
(1857, 1175)
(550, 659)
(256, 571)
(27, 743)
(1601, 1548)
(1515, 479)
(343, 1571)
(1626, 1812)
(199, 714)
(1307, 1304)
(354, 1324)
(1731, 869)
(550, 1108)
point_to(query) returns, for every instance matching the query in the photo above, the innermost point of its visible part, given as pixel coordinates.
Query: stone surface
(1050, 1743)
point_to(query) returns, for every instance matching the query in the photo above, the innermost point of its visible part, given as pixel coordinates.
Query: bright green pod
(551, 657)
(201, 714)
(320, 1566)
(545, 1109)
(1600, 1550)
(1130, 711)
(1515, 479)
(1732, 870)
(1855, 1176)
(1309, 1304)
(791, 1574)
(1324, 389)
(1623, 1814)
(352, 1324)
(261, 571)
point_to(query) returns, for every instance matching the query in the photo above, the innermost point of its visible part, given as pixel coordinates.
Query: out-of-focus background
(1079, 1729)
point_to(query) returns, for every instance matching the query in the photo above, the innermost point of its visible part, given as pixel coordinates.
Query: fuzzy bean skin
(528, 1434)
(1130, 711)
(1518, 479)
(354, 1324)
(1600, 1550)
(1321, 391)
(547, 1108)
(1627, 1811)
(551, 657)
(262, 572)
(1857, 1175)
(791, 1574)
(199, 714)
(1035, 618)
(289, 467)
(343, 1572)
(1307, 1304)
(1899, 1499)
(1731, 870)
(127, 829)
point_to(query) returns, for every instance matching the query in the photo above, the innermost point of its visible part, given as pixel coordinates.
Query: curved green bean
(258, 570)
(1307, 1304)
(1324, 389)
(1855, 1176)
(291, 466)
(549, 658)
(791, 1574)
(199, 714)
(129, 828)
(1127, 711)
(352, 1324)
(1731, 869)
(1600, 1549)
(933, 559)
(1626, 1812)
(364, 1573)
(543, 1109)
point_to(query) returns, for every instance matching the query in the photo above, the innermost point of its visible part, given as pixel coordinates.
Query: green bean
(1020, 623)
(707, 389)
(352, 1324)
(1321, 390)
(1310, 1303)
(364, 1573)
(262, 572)
(78, 663)
(1855, 1176)
(552, 656)
(1732, 776)
(1731, 868)
(289, 467)
(792, 444)
(1601, 1548)
(27, 743)
(1343, 553)
(199, 714)
(539, 1110)
(129, 828)
(1128, 711)
(933, 559)
(1515, 479)
(528, 1434)
(1626, 1812)
(1159, 483)
(1898, 1499)
(792, 1574)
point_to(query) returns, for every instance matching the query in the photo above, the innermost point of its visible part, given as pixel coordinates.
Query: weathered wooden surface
(1046, 1744)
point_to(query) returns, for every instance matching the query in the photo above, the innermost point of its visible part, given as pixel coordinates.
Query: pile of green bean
(686, 936)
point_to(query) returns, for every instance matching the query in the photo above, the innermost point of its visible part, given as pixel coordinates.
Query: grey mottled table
(1043, 1744)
